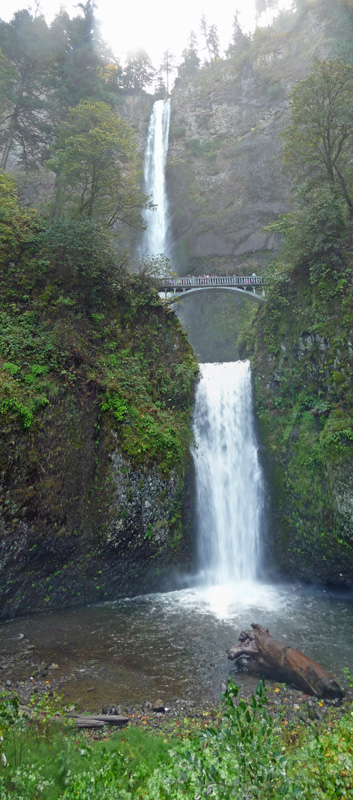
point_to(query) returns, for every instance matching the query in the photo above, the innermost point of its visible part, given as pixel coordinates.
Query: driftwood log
(259, 652)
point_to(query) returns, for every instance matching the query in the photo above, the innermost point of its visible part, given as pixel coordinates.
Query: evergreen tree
(240, 41)
(81, 59)
(190, 55)
(160, 91)
(263, 7)
(210, 34)
(139, 71)
(27, 74)
(167, 68)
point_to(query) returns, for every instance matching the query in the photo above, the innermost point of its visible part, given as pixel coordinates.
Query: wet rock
(158, 706)
(112, 710)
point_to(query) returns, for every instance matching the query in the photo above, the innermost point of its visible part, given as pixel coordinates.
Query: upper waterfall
(155, 236)
(229, 487)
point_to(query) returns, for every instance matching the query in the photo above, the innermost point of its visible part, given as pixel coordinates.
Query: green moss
(307, 418)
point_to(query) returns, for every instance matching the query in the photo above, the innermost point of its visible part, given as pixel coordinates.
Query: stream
(171, 645)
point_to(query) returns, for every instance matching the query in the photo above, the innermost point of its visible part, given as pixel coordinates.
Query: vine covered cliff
(303, 339)
(304, 395)
(96, 385)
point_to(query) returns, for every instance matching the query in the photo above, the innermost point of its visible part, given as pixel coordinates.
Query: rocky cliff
(225, 177)
(302, 357)
(96, 380)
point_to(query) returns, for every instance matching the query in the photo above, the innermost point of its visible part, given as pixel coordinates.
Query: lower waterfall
(229, 484)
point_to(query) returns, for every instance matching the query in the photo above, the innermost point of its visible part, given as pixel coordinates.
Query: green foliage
(313, 234)
(26, 123)
(146, 404)
(70, 314)
(82, 68)
(16, 224)
(242, 758)
(94, 160)
(247, 755)
(302, 360)
(320, 135)
(139, 71)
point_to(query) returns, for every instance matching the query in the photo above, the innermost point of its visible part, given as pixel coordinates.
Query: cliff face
(96, 383)
(225, 178)
(304, 394)
(79, 521)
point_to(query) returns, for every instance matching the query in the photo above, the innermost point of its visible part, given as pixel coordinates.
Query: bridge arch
(245, 285)
(248, 293)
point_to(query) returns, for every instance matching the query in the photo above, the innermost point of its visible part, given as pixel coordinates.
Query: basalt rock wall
(304, 394)
(79, 522)
(225, 175)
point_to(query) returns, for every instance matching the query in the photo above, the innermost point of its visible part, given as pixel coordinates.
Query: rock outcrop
(225, 177)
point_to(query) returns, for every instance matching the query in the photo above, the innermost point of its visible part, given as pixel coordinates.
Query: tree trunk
(273, 659)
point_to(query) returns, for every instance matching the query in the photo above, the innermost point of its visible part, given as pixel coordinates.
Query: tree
(80, 59)
(263, 7)
(167, 67)
(15, 224)
(139, 71)
(210, 34)
(157, 267)
(26, 45)
(191, 60)
(213, 42)
(240, 42)
(160, 89)
(319, 139)
(95, 165)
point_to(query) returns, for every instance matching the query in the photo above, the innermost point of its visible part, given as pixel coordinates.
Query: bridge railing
(213, 280)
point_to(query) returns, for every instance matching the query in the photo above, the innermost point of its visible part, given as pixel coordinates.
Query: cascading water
(155, 237)
(229, 486)
(127, 649)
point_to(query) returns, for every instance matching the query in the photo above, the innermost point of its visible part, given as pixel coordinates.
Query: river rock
(158, 706)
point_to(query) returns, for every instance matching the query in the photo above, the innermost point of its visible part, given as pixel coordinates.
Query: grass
(247, 753)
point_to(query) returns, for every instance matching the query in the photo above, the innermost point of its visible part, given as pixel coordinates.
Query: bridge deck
(243, 282)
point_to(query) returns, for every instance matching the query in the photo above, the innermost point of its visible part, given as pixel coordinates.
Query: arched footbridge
(252, 285)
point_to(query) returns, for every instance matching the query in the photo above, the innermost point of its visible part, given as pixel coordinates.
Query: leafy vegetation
(319, 137)
(247, 754)
(75, 315)
(95, 154)
(302, 340)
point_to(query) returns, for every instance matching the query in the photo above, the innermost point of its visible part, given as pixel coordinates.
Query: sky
(153, 25)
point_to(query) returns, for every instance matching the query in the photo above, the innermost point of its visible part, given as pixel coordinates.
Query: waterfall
(229, 488)
(155, 236)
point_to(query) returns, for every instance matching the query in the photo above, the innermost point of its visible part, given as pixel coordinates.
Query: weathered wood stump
(273, 659)
(98, 720)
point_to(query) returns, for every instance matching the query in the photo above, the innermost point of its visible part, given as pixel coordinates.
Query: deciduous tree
(95, 158)
(319, 138)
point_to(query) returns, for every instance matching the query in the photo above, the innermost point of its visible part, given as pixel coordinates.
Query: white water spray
(229, 487)
(155, 236)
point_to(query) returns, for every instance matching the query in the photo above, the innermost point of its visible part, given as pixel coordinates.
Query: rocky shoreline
(182, 716)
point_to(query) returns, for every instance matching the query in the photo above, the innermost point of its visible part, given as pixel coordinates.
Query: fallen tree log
(259, 652)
